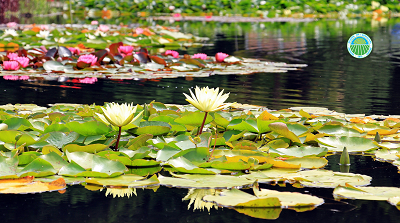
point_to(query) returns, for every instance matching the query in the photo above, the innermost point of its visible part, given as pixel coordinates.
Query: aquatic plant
(207, 100)
(10, 65)
(219, 57)
(119, 115)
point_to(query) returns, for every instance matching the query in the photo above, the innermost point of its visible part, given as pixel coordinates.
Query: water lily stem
(119, 136)
(202, 124)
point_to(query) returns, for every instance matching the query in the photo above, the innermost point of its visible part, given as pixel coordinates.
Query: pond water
(332, 79)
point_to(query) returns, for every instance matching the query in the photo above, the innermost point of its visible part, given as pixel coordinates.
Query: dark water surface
(333, 79)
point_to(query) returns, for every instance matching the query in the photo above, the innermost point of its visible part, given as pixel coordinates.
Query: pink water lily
(10, 65)
(88, 58)
(202, 56)
(88, 80)
(74, 51)
(139, 31)
(103, 28)
(11, 24)
(23, 61)
(10, 77)
(94, 22)
(24, 77)
(12, 56)
(219, 57)
(125, 50)
(172, 53)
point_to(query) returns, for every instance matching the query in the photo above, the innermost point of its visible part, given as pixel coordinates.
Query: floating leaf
(366, 193)
(25, 185)
(204, 181)
(91, 128)
(92, 148)
(238, 198)
(38, 168)
(59, 139)
(353, 144)
(301, 151)
(127, 180)
(308, 162)
(282, 129)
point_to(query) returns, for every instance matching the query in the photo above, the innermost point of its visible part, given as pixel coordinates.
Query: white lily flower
(44, 34)
(119, 114)
(90, 36)
(9, 32)
(60, 40)
(208, 99)
(100, 33)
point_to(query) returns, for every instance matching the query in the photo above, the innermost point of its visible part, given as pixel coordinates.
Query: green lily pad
(282, 129)
(59, 139)
(328, 179)
(38, 168)
(366, 193)
(308, 162)
(194, 119)
(337, 130)
(127, 180)
(83, 159)
(92, 148)
(91, 128)
(238, 198)
(353, 144)
(300, 151)
(55, 160)
(8, 167)
(182, 165)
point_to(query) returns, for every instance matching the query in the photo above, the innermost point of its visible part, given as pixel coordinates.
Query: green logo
(359, 45)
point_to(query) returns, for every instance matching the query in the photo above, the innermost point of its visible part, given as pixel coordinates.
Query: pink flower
(88, 58)
(12, 56)
(202, 56)
(11, 24)
(171, 7)
(10, 77)
(139, 31)
(88, 80)
(172, 53)
(219, 57)
(10, 65)
(103, 28)
(94, 22)
(23, 61)
(74, 50)
(125, 50)
(24, 77)
(44, 27)
(177, 15)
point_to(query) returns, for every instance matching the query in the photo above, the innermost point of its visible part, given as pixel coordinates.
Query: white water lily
(118, 114)
(90, 36)
(9, 32)
(100, 33)
(44, 34)
(60, 40)
(208, 99)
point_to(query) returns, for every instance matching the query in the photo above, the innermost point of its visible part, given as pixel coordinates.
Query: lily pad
(204, 181)
(128, 180)
(353, 144)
